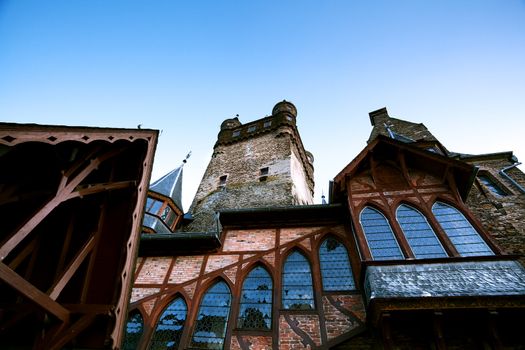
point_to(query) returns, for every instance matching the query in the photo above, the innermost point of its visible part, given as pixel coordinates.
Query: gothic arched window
(335, 266)
(379, 235)
(465, 238)
(255, 311)
(212, 319)
(134, 329)
(297, 289)
(419, 234)
(170, 326)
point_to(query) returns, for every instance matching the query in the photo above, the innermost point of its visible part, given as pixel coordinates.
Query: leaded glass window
(170, 326)
(419, 234)
(335, 266)
(153, 205)
(465, 238)
(297, 289)
(256, 301)
(212, 319)
(134, 329)
(491, 185)
(379, 236)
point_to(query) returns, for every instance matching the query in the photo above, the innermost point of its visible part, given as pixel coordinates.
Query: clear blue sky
(183, 67)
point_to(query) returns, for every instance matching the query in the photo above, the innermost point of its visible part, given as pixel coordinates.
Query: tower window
(222, 180)
(263, 174)
(267, 124)
(236, 133)
(289, 118)
(491, 185)
(252, 128)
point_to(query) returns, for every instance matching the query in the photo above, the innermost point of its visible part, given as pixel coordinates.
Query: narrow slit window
(255, 310)
(459, 230)
(134, 329)
(379, 236)
(212, 318)
(170, 326)
(297, 288)
(222, 180)
(336, 272)
(421, 237)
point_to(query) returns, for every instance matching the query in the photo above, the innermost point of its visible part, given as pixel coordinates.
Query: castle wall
(336, 314)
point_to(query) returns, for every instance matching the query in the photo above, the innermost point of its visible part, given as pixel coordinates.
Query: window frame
(173, 299)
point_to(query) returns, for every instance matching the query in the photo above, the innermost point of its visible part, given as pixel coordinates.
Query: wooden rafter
(59, 285)
(32, 293)
(66, 191)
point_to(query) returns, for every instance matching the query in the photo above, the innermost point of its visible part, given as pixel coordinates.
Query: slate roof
(473, 278)
(170, 185)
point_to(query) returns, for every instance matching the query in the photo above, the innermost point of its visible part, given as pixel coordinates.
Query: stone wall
(502, 216)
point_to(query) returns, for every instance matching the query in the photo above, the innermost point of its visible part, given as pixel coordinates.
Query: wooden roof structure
(72, 202)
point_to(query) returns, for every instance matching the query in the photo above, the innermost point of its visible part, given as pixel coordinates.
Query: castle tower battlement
(257, 164)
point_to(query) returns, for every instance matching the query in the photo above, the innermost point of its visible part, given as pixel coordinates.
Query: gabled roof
(464, 173)
(170, 185)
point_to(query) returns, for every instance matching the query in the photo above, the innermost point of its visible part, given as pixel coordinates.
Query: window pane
(170, 326)
(210, 328)
(379, 235)
(419, 234)
(134, 329)
(298, 293)
(256, 301)
(461, 233)
(335, 266)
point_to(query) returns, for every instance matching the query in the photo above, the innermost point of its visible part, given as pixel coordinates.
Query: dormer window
(236, 133)
(252, 128)
(222, 180)
(491, 185)
(267, 124)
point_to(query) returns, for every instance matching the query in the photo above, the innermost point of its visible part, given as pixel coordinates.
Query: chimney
(380, 115)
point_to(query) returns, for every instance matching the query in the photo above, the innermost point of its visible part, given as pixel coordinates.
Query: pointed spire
(170, 185)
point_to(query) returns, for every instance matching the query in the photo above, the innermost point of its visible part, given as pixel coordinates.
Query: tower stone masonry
(259, 164)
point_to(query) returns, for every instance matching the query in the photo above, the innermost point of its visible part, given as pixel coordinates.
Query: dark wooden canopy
(72, 202)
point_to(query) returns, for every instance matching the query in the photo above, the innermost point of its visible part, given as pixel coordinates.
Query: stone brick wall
(289, 179)
(502, 216)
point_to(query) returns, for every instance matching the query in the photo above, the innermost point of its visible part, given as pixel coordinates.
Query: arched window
(134, 329)
(335, 266)
(379, 235)
(461, 233)
(419, 234)
(170, 326)
(297, 289)
(255, 310)
(212, 319)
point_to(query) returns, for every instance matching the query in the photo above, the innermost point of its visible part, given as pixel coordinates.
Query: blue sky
(185, 66)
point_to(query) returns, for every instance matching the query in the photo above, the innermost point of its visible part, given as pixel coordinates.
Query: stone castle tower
(258, 164)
